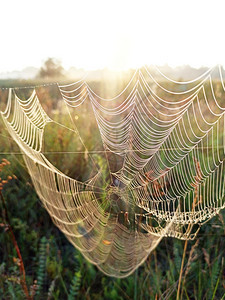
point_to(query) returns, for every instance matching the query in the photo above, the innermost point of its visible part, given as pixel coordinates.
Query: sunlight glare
(111, 34)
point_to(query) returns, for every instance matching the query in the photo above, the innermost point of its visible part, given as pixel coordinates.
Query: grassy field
(54, 268)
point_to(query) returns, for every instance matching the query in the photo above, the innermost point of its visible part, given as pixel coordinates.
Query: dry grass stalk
(196, 201)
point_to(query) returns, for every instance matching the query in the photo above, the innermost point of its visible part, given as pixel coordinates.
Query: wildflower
(106, 242)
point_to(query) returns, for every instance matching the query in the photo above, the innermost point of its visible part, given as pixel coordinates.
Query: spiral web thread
(169, 180)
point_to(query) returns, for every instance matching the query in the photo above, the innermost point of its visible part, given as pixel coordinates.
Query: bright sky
(117, 34)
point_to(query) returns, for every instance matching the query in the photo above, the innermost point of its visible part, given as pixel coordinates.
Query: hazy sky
(114, 34)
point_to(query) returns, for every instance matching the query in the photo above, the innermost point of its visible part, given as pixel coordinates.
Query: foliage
(51, 69)
(56, 270)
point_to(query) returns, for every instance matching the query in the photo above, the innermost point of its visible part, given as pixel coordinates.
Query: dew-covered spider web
(162, 171)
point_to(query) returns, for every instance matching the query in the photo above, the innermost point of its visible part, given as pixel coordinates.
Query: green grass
(56, 270)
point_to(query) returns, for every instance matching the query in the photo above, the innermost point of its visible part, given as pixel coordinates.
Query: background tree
(51, 69)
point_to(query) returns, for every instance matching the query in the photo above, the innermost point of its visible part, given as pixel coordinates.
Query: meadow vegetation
(37, 261)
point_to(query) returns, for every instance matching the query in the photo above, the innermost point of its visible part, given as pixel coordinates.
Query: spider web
(169, 145)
